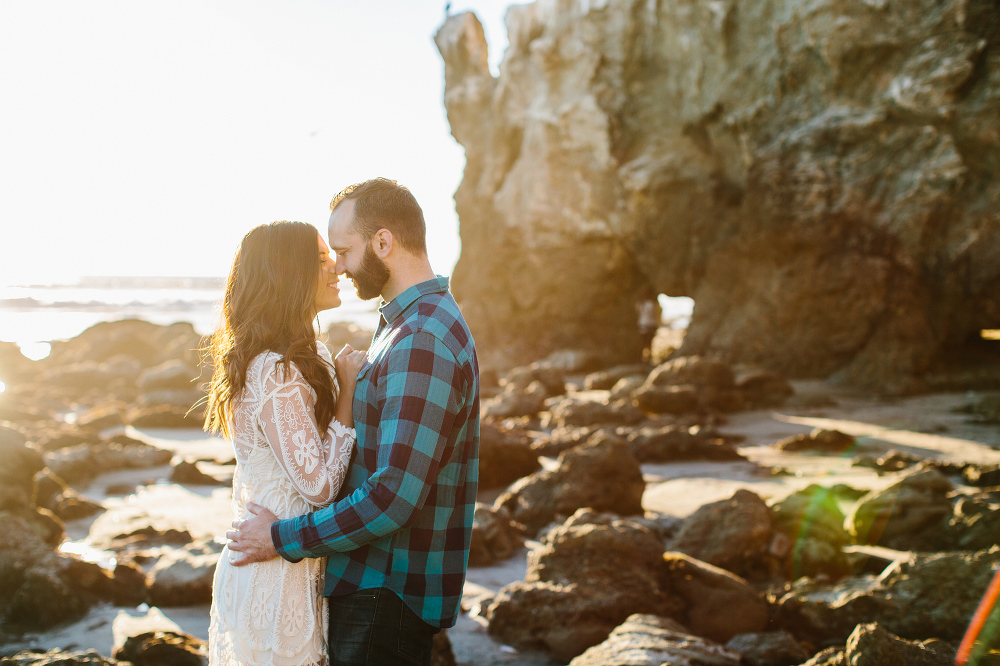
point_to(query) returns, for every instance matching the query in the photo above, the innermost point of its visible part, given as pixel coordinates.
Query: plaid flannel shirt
(404, 517)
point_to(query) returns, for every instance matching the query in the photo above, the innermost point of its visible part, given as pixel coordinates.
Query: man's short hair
(381, 203)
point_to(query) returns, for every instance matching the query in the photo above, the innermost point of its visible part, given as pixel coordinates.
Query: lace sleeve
(316, 464)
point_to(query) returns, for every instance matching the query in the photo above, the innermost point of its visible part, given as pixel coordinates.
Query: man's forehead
(340, 228)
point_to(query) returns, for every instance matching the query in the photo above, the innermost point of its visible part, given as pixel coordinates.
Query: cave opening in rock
(675, 316)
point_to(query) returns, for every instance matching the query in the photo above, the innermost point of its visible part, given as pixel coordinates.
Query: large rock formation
(822, 178)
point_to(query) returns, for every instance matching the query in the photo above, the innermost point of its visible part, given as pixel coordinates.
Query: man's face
(355, 257)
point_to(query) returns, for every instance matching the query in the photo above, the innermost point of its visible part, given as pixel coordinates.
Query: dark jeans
(375, 628)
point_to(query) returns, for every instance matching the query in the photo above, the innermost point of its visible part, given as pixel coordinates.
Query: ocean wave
(30, 303)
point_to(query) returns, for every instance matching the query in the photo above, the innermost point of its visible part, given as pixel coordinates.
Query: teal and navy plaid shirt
(404, 517)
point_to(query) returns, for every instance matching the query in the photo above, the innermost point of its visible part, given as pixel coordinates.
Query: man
(398, 536)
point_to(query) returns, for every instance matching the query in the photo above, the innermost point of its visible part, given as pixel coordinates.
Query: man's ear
(382, 243)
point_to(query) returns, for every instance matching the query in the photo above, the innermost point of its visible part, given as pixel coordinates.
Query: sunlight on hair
(990, 334)
(36, 351)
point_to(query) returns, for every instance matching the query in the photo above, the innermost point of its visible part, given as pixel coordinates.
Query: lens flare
(982, 631)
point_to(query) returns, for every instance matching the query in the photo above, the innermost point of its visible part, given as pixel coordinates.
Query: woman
(274, 394)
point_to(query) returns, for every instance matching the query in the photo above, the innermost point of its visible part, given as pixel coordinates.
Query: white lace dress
(274, 613)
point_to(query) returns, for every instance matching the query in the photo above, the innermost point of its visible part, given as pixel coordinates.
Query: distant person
(648, 309)
(397, 539)
(275, 395)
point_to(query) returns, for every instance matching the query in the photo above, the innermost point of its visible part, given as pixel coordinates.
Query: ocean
(34, 315)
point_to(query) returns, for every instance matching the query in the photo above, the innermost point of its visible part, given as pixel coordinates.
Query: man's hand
(252, 537)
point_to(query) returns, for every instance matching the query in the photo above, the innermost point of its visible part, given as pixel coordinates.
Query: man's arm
(423, 396)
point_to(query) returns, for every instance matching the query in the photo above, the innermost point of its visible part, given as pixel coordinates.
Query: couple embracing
(369, 460)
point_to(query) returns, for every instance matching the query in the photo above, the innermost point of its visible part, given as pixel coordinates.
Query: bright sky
(145, 138)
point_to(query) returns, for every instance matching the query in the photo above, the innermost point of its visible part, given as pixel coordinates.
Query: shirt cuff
(283, 538)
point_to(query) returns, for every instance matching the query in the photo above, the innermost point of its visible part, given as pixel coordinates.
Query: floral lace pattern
(273, 613)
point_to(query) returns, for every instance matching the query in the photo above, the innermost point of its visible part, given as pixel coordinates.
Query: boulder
(602, 475)
(551, 378)
(650, 640)
(187, 472)
(153, 648)
(20, 464)
(162, 416)
(735, 534)
(514, 401)
(586, 578)
(606, 379)
(59, 657)
(675, 443)
(981, 475)
(82, 463)
(890, 461)
(505, 455)
(690, 383)
(975, 523)
(494, 536)
(577, 412)
(15, 366)
(183, 576)
(102, 417)
(666, 399)
(702, 373)
(717, 603)
(143, 342)
(53, 494)
(910, 514)
(871, 645)
(626, 387)
(764, 389)
(920, 597)
(190, 400)
(560, 439)
(34, 593)
(172, 374)
(130, 585)
(81, 377)
(769, 648)
(73, 506)
(832, 442)
(813, 524)
(64, 438)
(341, 333)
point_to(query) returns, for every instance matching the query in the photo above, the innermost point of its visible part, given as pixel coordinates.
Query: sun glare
(36, 351)
(3, 387)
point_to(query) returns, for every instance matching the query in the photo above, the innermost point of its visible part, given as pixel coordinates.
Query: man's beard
(371, 276)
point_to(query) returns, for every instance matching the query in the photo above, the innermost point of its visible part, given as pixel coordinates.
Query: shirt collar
(395, 308)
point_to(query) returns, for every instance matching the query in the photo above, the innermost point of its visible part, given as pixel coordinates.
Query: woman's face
(327, 291)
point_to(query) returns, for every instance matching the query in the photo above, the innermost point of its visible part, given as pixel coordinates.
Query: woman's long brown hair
(269, 306)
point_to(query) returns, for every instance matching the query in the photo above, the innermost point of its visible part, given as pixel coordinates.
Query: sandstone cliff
(821, 176)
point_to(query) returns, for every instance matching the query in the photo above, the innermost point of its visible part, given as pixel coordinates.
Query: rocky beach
(807, 474)
(684, 512)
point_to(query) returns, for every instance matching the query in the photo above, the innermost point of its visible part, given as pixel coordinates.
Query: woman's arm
(316, 463)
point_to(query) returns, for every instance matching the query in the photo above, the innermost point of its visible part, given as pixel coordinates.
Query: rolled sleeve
(283, 534)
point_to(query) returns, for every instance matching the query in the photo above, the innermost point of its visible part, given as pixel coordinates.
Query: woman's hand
(347, 364)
